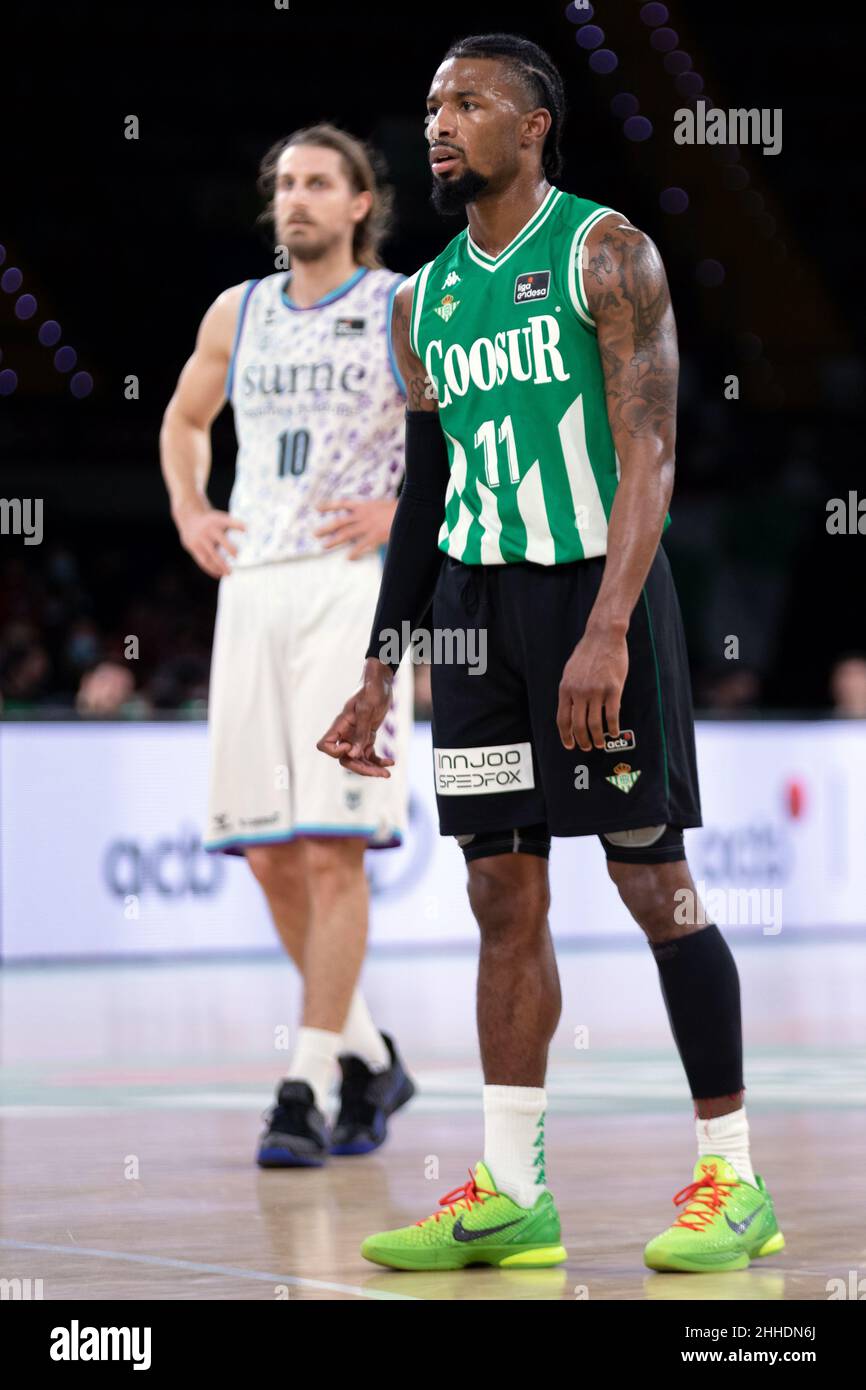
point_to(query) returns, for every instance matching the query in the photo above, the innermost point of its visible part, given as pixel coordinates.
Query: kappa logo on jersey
(625, 742)
(623, 777)
(349, 328)
(504, 767)
(534, 285)
(452, 278)
(447, 307)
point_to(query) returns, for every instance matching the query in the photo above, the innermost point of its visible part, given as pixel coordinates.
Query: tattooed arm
(418, 397)
(628, 297)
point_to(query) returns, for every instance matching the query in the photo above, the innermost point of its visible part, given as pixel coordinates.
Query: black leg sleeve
(413, 558)
(701, 991)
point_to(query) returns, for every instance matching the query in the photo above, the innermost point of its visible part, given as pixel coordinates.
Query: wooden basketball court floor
(132, 1093)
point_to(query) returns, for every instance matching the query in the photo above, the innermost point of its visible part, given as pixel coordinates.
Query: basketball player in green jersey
(540, 356)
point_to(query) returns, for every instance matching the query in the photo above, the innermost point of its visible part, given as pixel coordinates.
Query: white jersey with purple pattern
(318, 404)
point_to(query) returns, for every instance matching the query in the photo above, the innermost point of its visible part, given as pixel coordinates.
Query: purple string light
(10, 280)
(65, 358)
(673, 200)
(664, 40)
(654, 15)
(81, 385)
(603, 61)
(590, 37)
(579, 14)
(637, 128)
(49, 332)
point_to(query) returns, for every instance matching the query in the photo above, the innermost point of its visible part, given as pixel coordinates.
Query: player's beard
(307, 249)
(450, 196)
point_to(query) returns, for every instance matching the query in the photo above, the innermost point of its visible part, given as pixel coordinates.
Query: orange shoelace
(707, 1193)
(469, 1195)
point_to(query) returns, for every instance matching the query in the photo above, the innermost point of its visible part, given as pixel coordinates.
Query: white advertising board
(100, 844)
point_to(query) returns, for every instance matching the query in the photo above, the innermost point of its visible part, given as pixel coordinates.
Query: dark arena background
(145, 999)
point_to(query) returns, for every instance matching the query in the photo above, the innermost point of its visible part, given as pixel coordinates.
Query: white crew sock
(314, 1060)
(727, 1136)
(362, 1038)
(514, 1140)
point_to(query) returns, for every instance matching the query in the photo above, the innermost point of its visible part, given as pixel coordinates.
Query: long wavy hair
(363, 167)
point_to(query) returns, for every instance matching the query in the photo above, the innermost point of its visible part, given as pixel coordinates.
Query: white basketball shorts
(288, 652)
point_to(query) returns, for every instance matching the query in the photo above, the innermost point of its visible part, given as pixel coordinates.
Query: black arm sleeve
(413, 558)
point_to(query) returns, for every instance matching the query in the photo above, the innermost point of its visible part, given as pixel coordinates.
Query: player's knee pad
(652, 844)
(526, 839)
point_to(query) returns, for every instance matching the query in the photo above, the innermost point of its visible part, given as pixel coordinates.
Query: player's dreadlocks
(538, 75)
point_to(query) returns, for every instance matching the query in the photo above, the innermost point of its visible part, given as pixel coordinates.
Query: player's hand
(591, 689)
(352, 735)
(203, 532)
(364, 525)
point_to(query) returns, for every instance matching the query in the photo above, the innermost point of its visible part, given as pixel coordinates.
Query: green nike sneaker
(477, 1225)
(725, 1223)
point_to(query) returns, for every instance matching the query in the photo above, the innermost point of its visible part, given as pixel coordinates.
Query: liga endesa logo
(532, 286)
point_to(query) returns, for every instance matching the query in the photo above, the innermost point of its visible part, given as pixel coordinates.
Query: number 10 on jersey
(486, 436)
(294, 446)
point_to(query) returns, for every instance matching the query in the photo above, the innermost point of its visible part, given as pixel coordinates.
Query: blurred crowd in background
(127, 633)
(65, 625)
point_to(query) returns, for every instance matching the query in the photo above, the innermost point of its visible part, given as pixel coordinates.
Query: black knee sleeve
(527, 839)
(701, 991)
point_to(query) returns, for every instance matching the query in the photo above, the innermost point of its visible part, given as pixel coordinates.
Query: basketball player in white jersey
(305, 358)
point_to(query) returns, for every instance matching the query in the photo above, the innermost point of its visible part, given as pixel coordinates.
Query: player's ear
(536, 124)
(361, 205)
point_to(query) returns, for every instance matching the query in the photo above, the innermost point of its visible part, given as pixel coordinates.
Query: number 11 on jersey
(486, 436)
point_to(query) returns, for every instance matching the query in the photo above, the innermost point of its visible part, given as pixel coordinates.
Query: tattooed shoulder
(628, 297)
(418, 393)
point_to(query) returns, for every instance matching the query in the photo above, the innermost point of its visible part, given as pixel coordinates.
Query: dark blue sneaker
(297, 1134)
(367, 1098)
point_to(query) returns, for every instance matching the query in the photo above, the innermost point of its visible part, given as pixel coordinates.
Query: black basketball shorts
(498, 759)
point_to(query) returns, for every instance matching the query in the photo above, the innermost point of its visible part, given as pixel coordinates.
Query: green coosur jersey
(510, 347)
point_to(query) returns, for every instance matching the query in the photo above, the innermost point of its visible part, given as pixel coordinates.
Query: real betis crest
(623, 777)
(447, 307)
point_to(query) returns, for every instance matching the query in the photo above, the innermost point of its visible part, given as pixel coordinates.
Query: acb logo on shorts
(623, 742)
(535, 285)
(503, 767)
